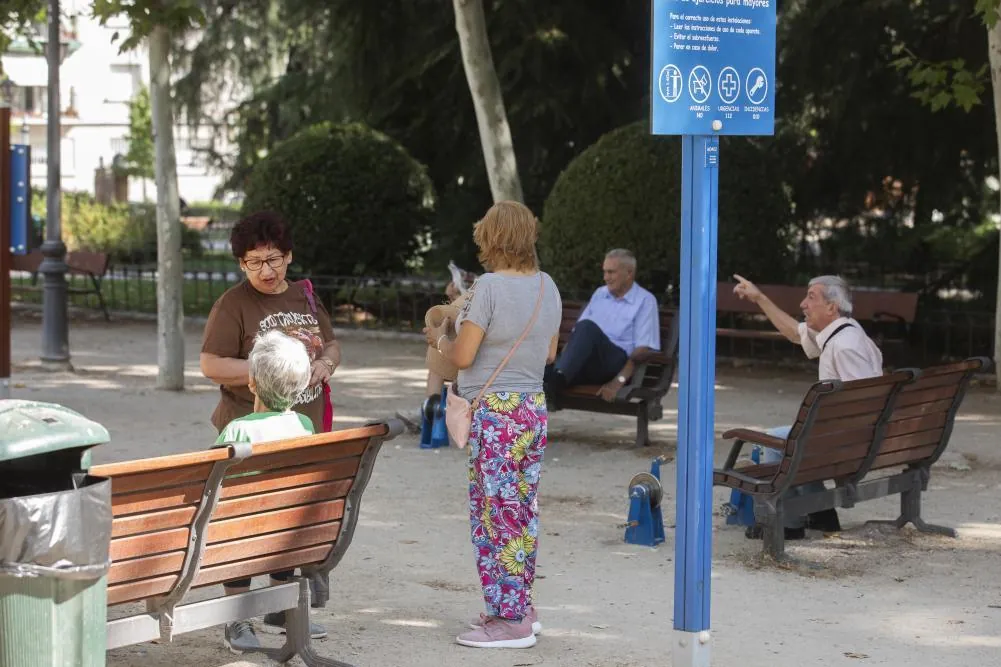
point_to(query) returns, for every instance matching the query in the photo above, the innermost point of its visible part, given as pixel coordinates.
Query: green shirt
(265, 427)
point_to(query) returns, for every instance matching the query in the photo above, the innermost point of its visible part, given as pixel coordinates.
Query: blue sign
(20, 200)
(713, 67)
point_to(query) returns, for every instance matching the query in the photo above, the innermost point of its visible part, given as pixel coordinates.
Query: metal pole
(691, 644)
(55, 325)
(5, 253)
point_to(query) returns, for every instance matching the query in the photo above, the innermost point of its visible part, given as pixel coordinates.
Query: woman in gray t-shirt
(508, 432)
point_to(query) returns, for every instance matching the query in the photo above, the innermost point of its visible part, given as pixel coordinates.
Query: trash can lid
(28, 428)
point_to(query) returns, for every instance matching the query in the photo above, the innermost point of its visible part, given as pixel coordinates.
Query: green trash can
(55, 533)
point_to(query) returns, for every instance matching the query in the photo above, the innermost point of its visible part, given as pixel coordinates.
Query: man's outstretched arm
(780, 319)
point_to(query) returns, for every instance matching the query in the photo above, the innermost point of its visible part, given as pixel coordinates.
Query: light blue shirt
(630, 322)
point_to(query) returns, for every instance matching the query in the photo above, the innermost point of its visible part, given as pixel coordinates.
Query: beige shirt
(849, 355)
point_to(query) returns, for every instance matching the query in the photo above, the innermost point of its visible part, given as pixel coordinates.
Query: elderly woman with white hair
(280, 369)
(828, 333)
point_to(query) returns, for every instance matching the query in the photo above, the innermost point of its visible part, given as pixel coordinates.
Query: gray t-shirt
(502, 306)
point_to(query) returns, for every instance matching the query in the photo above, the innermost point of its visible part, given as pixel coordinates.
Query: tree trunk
(170, 282)
(994, 47)
(491, 117)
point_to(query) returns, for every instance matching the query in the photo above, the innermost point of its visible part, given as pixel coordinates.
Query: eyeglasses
(275, 262)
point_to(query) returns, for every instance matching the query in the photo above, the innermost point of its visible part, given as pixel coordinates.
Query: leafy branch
(941, 84)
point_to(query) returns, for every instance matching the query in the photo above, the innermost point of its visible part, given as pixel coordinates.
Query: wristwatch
(622, 379)
(329, 364)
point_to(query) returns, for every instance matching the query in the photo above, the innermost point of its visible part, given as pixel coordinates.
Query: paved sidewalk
(407, 585)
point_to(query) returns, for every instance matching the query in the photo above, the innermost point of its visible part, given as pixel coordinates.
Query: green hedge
(126, 232)
(357, 202)
(625, 192)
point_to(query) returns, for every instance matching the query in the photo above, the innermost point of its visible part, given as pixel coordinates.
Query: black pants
(589, 357)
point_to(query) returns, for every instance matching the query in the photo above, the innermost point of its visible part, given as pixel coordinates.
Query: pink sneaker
(498, 633)
(531, 615)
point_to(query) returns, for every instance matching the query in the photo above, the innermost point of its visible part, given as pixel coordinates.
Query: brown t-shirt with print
(238, 316)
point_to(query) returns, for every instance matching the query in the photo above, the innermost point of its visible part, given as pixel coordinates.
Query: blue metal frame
(696, 382)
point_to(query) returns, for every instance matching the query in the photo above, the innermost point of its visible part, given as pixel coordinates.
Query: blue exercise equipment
(434, 433)
(646, 522)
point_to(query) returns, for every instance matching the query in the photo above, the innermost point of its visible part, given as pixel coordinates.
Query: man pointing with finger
(829, 333)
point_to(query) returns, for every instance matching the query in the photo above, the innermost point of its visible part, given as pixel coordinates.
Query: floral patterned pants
(507, 439)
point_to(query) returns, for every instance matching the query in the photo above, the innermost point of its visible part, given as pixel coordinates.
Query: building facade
(97, 82)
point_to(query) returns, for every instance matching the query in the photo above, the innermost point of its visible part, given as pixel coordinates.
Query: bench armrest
(757, 437)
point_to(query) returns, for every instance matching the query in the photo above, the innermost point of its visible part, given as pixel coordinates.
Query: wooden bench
(204, 518)
(845, 432)
(93, 265)
(643, 395)
(888, 314)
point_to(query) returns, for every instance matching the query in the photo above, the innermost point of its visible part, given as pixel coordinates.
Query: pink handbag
(459, 411)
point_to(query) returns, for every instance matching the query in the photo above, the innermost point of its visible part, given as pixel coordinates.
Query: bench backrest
(292, 503)
(921, 423)
(668, 328)
(78, 261)
(29, 262)
(867, 305)
(84, 261)
(837, 425)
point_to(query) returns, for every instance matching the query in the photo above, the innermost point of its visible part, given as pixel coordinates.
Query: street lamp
(5, 321)
(55, 322)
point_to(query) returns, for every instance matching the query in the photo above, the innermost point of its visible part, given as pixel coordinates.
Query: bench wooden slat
(936, 380)
(846, 410)
(152, 521)
(266, 522)
(149, 543)
(927, 422)
(359, 435)
(893, 459)
(872, 394)
(926, 396)
(920, 409)
(913, 441)
(164, 478)
(262, 565)
(297, 457)
(303, 495)
(830, 445)
(140, 590)
(157, 499)
(159, 463)
(847, 423)
(233, 487)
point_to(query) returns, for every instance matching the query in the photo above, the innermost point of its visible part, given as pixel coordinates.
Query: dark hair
(260, 229)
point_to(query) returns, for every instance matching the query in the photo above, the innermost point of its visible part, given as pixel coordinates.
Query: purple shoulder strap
(307, 287)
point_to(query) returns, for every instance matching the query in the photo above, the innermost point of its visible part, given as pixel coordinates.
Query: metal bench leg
(643, 426)
(910, 512)
(100, 296)
(773, 523)
(298, 641)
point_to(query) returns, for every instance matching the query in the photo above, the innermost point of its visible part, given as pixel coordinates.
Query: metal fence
(398, 303)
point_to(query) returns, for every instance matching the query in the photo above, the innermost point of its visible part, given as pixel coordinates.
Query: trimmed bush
(357, 202)
(625, 192)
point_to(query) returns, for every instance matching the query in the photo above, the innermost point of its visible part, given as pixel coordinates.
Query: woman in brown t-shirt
(262, 244)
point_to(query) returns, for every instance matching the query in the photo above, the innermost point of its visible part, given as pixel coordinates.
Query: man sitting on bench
(619, 326)
(845, 352)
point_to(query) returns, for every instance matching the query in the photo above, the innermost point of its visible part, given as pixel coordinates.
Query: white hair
(625, 257)
(280, 368)
(836, 291)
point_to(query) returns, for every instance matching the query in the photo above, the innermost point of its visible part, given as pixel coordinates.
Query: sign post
(713, 73)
